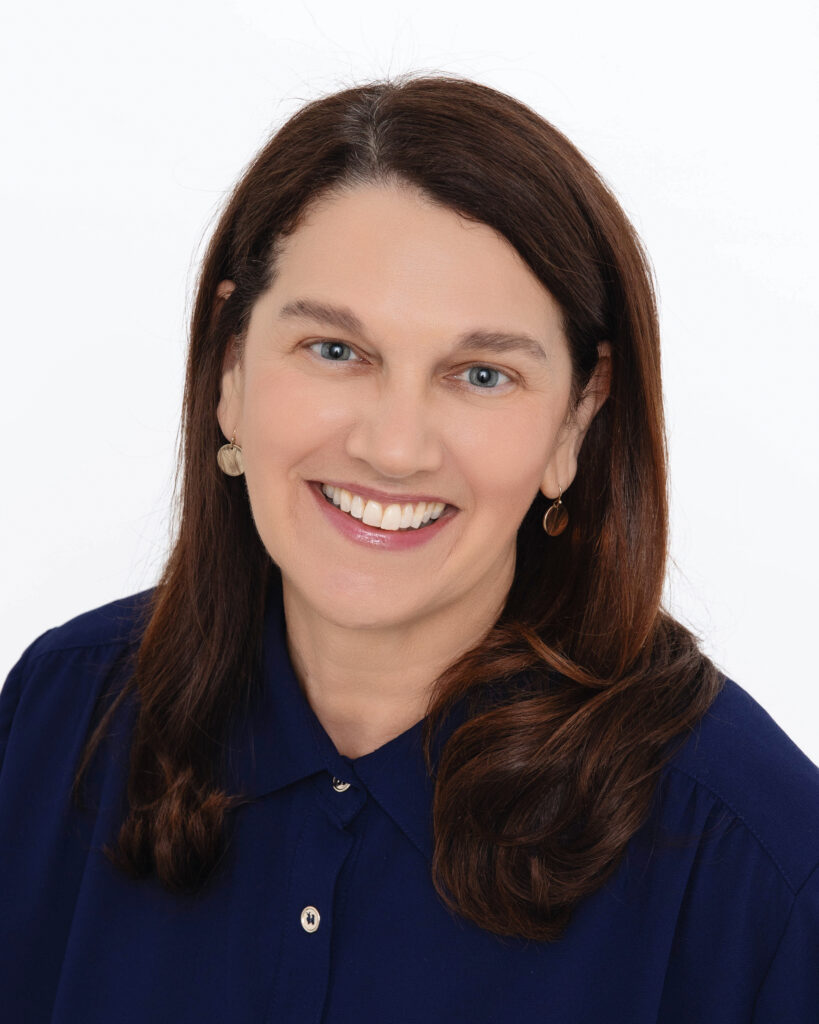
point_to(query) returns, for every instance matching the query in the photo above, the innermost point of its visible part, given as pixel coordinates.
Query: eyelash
(482, 366)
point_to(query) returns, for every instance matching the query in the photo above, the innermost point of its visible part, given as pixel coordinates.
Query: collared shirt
(323, 909)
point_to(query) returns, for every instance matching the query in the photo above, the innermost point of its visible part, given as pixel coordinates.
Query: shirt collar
(282, 741)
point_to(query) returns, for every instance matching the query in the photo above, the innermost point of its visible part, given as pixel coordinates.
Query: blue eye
(332, 350)
(485, 377)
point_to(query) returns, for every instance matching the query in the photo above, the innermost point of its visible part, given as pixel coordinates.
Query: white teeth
(373, 513)
(386, 517)
(391, 519)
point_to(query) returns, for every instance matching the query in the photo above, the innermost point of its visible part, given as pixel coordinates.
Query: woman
(403, 733)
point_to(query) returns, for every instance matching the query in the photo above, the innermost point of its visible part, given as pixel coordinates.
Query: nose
(395, 432)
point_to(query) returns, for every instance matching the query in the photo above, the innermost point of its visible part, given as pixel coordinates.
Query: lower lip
(388, 540)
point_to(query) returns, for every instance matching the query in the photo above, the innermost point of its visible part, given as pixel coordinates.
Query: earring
(229, 458)
(556, 518)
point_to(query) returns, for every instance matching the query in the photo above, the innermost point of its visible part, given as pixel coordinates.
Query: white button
(310, 918)
(340, 786)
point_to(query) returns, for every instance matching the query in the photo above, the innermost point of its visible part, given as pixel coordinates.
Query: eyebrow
(344, 319)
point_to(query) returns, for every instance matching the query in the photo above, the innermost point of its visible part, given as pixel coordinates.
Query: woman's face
(382, 362)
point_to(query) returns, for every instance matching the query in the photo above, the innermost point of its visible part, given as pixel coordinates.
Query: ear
(228, 411)
(562, 466)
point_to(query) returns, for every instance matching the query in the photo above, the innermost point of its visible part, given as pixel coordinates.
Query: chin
(351, 602)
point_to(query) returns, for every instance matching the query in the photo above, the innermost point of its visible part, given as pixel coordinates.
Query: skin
(369, 630)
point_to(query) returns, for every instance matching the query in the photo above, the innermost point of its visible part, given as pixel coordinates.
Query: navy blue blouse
(323, 908)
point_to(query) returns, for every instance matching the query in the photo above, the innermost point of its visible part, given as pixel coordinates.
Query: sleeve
(10, 695)
(45, 841)
(789, 993)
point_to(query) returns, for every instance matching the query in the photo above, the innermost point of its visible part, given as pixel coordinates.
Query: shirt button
(340, 786)
(310, 918)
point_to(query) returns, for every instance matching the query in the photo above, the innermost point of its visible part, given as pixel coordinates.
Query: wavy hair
(585, 686)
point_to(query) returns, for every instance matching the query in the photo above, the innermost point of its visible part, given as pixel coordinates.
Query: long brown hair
(577, 694)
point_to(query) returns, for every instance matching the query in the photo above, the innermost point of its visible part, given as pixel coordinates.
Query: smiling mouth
(391, 518)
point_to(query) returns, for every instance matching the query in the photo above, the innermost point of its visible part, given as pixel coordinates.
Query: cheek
(506, 454)
(284, 417)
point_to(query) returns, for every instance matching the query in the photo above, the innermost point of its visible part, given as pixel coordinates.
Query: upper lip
(383, 496)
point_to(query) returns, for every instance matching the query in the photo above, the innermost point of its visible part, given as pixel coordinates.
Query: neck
(367, 686)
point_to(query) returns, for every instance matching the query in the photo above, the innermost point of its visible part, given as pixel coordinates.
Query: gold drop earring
(556, 518)
(230, 459)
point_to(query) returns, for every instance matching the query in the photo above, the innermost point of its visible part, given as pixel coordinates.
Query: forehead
(397, 257)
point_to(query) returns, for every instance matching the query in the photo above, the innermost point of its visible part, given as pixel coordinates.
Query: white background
(124, 125)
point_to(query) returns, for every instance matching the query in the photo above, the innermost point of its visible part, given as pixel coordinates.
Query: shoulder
(117, 623)
(745, 760)
(62, 672)
(731, 862)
